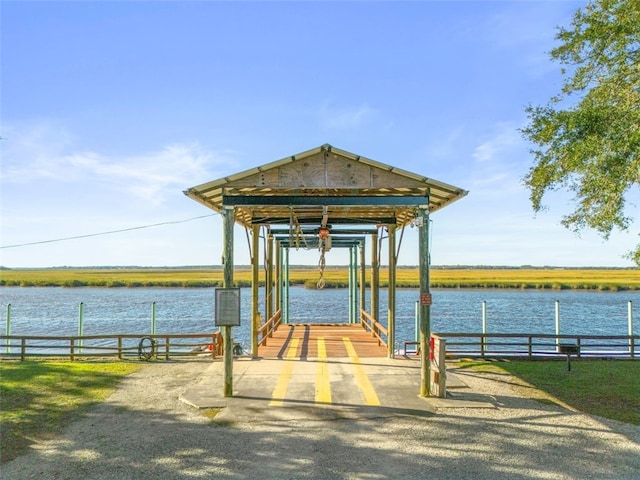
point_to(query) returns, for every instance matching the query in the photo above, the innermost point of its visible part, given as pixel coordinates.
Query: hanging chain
(321, 265)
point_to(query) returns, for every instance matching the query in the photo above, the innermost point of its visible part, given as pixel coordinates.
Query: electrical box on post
(227, 307)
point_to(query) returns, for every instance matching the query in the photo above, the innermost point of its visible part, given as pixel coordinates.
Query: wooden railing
(120, 346)
(540, 345)
(370, 324)
(269, 327)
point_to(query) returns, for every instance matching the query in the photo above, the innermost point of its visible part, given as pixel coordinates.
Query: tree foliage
(587, 138)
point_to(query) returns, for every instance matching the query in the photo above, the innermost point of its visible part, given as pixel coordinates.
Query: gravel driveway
(142, 431)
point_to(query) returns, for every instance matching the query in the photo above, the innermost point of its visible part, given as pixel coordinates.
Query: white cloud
(345, 117)
(148, 175)
(47, 153)
(505, 139)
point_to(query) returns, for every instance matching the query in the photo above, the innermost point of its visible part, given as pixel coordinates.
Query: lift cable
(173, 222)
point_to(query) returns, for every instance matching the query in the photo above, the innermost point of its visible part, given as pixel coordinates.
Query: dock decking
(322, 340)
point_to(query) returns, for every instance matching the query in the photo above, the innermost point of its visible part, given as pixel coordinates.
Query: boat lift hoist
(324, 239)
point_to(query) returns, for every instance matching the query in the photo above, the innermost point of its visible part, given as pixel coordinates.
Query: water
(54, 311)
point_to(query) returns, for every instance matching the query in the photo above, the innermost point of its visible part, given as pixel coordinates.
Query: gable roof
(323, 185)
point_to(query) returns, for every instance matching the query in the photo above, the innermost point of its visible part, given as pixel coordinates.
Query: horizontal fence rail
(496, 345)
(370, 324)
(118, 345)
(541, 345)
(270, 326)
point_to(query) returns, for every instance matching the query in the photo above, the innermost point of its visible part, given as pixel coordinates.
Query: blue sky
(111, 109)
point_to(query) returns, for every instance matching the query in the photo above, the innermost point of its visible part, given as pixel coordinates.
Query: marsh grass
(39, 398)
(406, 277)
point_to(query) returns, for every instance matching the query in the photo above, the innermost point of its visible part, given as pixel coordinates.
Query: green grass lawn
(37, 398)
(609, 389)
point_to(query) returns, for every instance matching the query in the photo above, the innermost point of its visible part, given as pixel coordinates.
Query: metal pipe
(278, 276)
(285, 292)
(153, 318)
(8, 328)
(557, 325)
(353, 265)
(268, 294)
(630, 316)
(350, 284)
(80, 325)
(363, 277)
(484, 327)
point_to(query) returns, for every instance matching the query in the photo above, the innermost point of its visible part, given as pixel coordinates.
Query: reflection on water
(55, 311)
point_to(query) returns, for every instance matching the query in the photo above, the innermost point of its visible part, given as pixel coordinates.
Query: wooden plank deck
(331, 335)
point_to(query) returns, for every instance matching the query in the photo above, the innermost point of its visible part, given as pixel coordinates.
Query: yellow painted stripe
(362, 380)
(323, 386)
(277, 397)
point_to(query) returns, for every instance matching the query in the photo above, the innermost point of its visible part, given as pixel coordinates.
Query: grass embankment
(521, 278)
(609, 389)
(38, 398)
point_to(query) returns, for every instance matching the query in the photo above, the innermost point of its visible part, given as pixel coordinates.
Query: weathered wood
(255, 271)
(522, 345)
(333, 334)
(372, 325)
(326, 170)
(268, 293)
(425, 309)
(375, 278)
(363, 275)
(270, 326)
(391, 316)
(227, 256)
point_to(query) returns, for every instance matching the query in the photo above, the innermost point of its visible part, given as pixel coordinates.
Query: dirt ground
(143, 431)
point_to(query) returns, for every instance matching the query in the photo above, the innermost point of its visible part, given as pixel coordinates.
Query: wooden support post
(353, 265)
(391, 313)
(119, 348)
(363, 277)
(166, 348)
(375, 278)
(227, 259)
(285, 287)
(268, 281)
(255, 270)
(425, 300)
(278, 275)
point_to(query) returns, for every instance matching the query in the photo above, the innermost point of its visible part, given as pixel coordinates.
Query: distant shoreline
(550, 278)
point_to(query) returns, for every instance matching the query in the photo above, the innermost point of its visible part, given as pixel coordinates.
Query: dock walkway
(322, 340)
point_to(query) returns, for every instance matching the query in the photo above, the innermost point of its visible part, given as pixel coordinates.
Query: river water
(55, 311)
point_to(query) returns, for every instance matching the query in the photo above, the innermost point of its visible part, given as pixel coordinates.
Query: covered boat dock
(326, 198)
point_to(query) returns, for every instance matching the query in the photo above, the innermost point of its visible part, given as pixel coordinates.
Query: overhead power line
(75, 237)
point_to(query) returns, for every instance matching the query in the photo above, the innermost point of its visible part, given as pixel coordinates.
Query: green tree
(587, 138)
